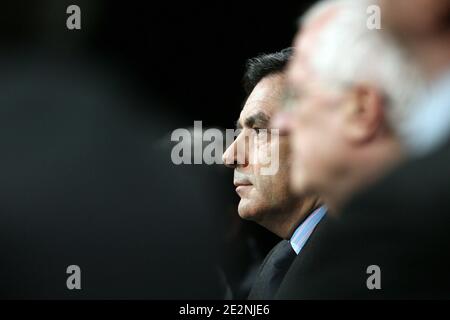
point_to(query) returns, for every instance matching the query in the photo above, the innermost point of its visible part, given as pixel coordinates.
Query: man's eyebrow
(259, 120)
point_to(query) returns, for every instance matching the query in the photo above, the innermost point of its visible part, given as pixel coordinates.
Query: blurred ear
(363, 114)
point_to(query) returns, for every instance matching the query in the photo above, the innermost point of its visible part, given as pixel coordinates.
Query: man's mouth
(242, 187)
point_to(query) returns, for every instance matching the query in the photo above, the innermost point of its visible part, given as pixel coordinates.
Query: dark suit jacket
(264, 287)
(259, 282)
(401, 225)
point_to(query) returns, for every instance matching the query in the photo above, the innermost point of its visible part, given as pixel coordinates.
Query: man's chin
(247, 210)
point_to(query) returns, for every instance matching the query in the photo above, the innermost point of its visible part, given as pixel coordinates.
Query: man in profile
(344, 110)
(391, 239)
(266, 198)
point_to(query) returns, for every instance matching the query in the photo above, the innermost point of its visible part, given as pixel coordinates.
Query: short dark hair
(264, 65)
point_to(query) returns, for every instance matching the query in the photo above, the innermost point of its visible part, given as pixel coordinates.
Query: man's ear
(363, 114)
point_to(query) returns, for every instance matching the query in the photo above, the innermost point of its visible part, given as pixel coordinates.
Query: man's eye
(259, 131)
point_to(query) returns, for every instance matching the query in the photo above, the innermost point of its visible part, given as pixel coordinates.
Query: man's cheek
(263, 187)
(271, 158)
(262, 156)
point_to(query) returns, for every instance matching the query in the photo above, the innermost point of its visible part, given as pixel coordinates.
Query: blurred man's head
(424, 27)
(265, 198)
(349, 86)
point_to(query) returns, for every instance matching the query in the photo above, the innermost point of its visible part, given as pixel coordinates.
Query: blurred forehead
(266, 96)
(296, 69)
(306, 43)
(299, 73)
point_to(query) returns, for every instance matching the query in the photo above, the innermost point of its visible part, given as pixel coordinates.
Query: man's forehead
(266, 96)
(267, 88)
(295, 70)
(306, 43)
(300, 71)
(310, 31)
(298, 74)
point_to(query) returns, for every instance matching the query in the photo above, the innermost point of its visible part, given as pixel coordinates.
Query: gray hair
(346, 51)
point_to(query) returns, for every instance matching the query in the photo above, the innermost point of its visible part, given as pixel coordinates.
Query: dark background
(191, 54)
(169, 63)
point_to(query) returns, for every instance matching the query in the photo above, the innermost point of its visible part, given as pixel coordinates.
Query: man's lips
(241, 183)
(242, 186)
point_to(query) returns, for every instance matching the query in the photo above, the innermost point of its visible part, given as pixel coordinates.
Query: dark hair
(264, 65)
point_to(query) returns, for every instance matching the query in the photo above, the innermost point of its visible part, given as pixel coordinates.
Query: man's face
(316, 126)
(261, 194)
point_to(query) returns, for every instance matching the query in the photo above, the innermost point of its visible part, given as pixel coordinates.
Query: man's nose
(229, 156)
(237, 152)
